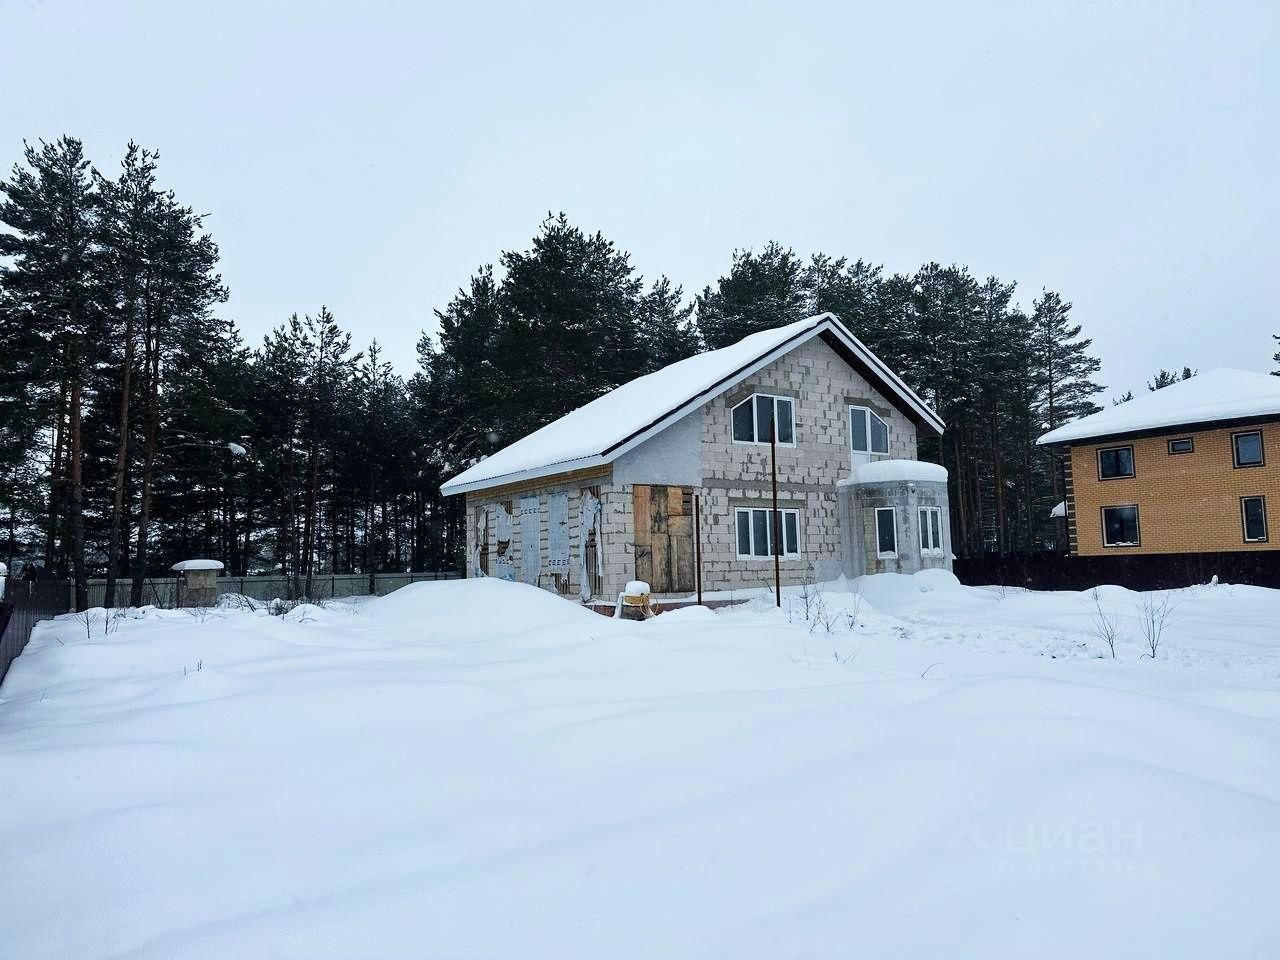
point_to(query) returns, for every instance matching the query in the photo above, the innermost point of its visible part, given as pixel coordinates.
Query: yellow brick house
(1191, 468)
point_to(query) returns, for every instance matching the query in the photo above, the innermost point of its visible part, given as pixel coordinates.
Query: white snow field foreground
(480, 769)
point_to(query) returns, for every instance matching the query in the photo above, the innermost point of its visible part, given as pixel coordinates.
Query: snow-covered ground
(479, 769)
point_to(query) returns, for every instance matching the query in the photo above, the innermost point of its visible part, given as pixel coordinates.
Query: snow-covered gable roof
(1217, 395)
(607, 427)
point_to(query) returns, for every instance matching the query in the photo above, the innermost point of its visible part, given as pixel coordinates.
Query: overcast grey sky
(371, 156)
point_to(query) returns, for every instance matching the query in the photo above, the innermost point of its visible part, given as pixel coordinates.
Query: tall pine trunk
(309, 518)
(152, 366)
(56, 476)
(76, 511)
(122, 459)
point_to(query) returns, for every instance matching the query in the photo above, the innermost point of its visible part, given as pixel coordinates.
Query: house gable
(616, 423)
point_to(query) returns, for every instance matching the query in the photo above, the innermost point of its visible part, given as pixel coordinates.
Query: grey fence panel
(156, 591)
(25, 605)
(164, 591)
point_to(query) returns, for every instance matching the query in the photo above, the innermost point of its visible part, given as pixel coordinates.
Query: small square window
(1115, 463)
(1182, 445)
(1120, 526)
(1253, 515)
(1246, 449)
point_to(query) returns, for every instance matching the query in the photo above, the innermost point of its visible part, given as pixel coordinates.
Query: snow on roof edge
(1221, 394)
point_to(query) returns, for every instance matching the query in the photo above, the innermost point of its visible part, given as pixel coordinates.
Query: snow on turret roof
(1220, 394)
(893, 471)
(610, 425)
(182, 566)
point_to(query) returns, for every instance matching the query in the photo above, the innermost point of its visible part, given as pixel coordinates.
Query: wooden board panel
(681, 553)
(664, 534)
(641, 527)
(659, 540)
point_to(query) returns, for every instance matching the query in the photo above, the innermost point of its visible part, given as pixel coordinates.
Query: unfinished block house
(670, 475)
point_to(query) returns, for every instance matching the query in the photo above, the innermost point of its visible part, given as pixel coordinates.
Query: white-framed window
(886, 532)
(1253, 515)
(754, 417)
(868, 433)
(755, 532)
(1120, 526)
(931, 531)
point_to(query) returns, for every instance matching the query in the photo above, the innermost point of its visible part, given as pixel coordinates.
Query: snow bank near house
(480, 769)
(482, 601)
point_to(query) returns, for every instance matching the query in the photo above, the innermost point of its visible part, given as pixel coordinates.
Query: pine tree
(54, 283)
(1275, 357)
(181, 286)
(1167, 378)
(664, 327)
(568, 332)
(128, 226)
(853, 292)
(1066, 369)
(761, 291)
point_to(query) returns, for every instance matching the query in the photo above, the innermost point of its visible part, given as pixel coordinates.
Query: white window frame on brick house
(756, 439)
(869, 417)
(1244, 520)
(1137, 525)
(752, 529)
(930, 531)
(881, 553)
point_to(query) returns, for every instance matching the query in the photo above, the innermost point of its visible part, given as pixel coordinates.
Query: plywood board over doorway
(664, 546)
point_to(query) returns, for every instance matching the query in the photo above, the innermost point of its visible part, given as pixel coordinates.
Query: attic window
(753, 419)
(868, 433)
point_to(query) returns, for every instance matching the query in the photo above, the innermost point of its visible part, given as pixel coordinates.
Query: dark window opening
(886, 532)
(1120, 526)
(1247, 448)
(1115, 463)
(1253, 513)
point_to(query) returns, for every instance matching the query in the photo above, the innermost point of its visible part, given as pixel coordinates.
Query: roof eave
(1181, 426)
(452, 487)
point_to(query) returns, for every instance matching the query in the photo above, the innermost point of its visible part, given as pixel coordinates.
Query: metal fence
(25, 605)
(1152, 571)
(164, 591)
